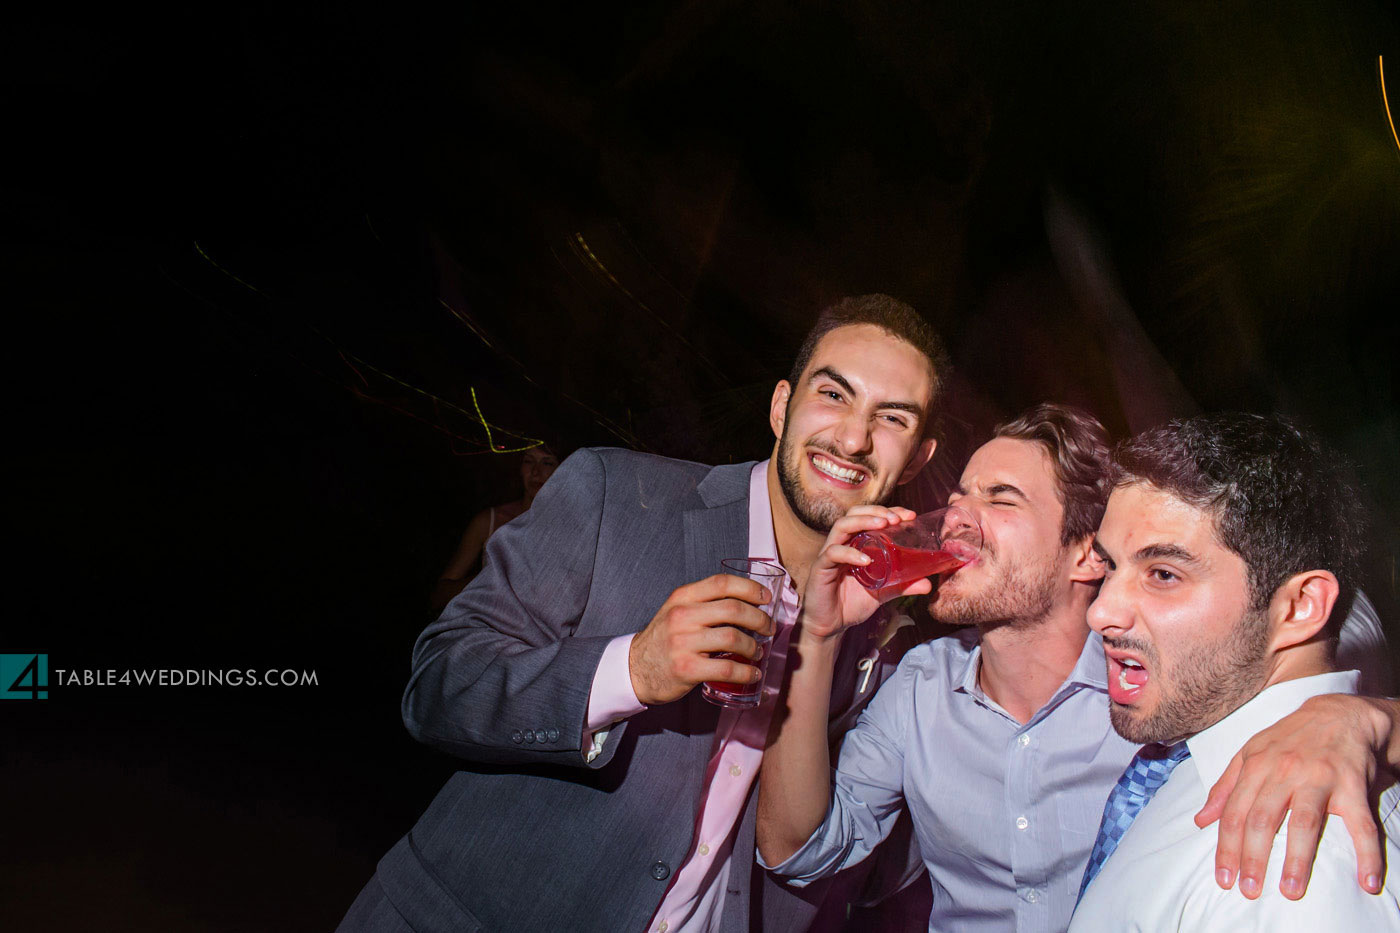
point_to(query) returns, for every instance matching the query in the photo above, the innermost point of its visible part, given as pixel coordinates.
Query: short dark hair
(1281, 499)
(1078, 447)
(890, 315)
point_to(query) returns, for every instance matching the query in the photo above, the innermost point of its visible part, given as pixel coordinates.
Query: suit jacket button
(541, 736)
(516, 737)
(554, 735)
(660, 871)
(529, 737)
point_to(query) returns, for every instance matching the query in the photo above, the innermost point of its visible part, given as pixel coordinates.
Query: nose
(1110, 613)
(853, 435)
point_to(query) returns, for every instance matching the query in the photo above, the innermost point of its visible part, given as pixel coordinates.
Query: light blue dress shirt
(1005, 814)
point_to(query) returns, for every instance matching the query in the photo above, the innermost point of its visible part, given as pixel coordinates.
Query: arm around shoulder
(1333, 900)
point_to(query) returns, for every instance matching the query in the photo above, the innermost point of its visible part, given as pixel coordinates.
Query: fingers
(1305, 821)
(726, 670)
(722, 586)
(867, 518)
(1229, 803)
(1366, 837)
(1261, 824)
(724, 639)
(720, 613)
(845, 554)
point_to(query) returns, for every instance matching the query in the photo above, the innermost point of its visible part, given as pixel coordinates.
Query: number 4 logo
(24, 677)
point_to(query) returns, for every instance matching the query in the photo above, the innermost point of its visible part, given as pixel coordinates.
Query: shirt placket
(1028, 830)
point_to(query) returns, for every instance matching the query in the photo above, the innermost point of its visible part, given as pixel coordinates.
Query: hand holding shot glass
(748, 695)
(933, 543)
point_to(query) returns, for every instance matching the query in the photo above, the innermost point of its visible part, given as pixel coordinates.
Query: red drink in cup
(747, 696)
(935, 542)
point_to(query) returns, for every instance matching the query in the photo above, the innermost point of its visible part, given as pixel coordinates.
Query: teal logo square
(24, 677)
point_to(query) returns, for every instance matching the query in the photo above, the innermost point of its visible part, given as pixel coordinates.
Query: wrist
(820, 642)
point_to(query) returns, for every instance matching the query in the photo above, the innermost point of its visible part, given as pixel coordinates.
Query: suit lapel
(714, 531)
(720, 527)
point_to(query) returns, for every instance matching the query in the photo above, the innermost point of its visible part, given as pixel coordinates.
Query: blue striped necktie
(1147, 772)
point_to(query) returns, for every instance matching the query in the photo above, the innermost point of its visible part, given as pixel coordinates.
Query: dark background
(259, 258)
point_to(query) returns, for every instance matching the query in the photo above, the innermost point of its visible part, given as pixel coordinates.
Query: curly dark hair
(1281, 499)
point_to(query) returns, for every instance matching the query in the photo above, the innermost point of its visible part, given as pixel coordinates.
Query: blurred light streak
(210, 259)
(349, 359)
(1385, 101)
(603, 421)
(598, 265)
(491, 442)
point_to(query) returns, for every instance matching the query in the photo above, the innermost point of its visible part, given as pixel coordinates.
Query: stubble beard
(1021, 597)
(1200, 688)
(816, 512)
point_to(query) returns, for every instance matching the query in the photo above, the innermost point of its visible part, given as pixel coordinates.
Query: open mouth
(839, 474)
(1126, 678)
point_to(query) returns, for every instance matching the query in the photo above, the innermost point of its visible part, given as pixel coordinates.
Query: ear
(777, 408)
(1085, 564)
(1300, 607)
(922, 455)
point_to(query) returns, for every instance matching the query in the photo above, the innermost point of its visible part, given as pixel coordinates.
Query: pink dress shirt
(695, 898)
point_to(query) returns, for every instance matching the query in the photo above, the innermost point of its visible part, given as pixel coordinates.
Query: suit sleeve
(501, 677)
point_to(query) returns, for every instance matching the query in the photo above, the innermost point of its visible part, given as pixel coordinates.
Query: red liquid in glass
(738, 690)
(893, 565)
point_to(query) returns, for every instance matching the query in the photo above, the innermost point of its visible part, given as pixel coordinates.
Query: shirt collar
(1091, 670)
(1212, 749)
(966, 680)
(762, 542)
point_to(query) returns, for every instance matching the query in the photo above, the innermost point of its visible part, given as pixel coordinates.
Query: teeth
(1123, 681)
(837, 472)
(1127, 662)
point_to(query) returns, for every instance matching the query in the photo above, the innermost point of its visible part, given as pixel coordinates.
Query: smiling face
(1009, 487)
(852, 428)
(1185, 647)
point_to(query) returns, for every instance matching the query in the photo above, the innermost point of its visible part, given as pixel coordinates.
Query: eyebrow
(914, 408)
(997, 489)
(1166, 551)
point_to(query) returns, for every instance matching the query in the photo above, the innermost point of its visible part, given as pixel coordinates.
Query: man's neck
(1023, 666)
(1305, 660)
(798, 545)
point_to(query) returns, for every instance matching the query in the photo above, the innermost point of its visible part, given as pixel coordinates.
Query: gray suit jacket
(528, 835)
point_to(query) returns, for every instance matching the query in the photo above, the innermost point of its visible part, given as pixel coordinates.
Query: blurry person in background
(536, 466)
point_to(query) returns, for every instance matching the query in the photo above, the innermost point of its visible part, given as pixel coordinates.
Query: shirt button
(663, 927)
(1024, 740)
(735, 770)
(704, 849)
(1022, 822)
(1031, 896)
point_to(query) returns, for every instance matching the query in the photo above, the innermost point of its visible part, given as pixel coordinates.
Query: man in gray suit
(598, 790)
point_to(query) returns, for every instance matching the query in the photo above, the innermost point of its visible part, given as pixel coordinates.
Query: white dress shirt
(1161, 876)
